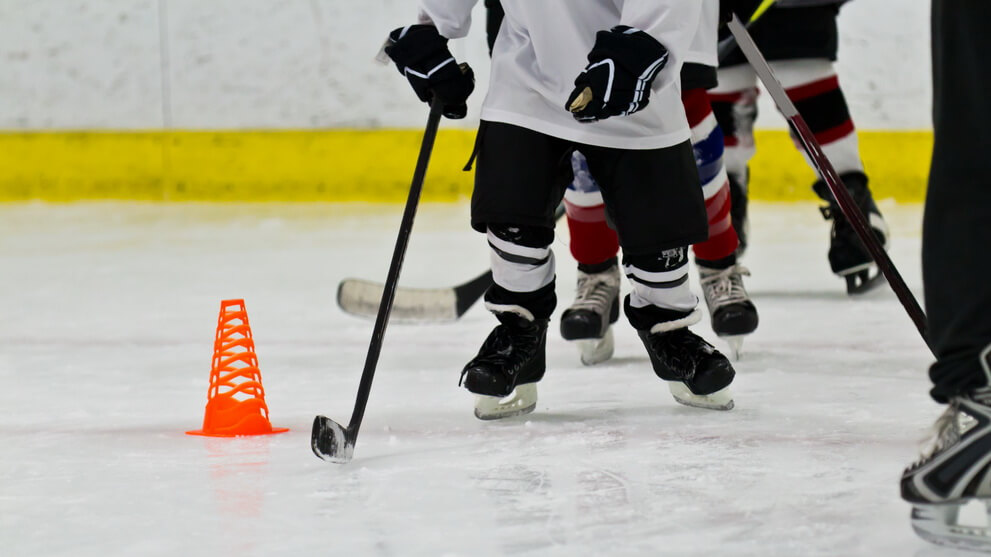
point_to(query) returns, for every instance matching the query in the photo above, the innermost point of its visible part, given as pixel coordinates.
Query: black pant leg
(957, 225)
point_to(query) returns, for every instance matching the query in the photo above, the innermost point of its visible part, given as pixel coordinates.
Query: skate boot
(848, 256)
(954, 470)
(697, 374)
(732, 313)
(587, 322)
(505, 372)
(738, 212)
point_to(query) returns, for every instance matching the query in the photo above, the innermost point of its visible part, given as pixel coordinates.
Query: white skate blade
(941, 524)
(521, 401)
(719, 400)
(596, 350)
(735, 343)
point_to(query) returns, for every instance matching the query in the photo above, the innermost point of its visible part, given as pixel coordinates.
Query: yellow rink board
(351, 165)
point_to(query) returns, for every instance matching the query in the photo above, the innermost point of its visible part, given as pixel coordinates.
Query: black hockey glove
(622, 66)
(421, 54)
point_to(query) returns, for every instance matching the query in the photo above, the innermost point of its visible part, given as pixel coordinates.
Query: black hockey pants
(956, 239)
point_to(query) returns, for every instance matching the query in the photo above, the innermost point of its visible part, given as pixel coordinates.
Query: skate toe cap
(737, 319)
(712, 375)
(581, 324)
(482, 381)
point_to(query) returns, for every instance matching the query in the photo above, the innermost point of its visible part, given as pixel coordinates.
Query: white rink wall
(236, 64)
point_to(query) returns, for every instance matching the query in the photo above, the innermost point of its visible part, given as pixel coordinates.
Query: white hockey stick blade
(362, 298)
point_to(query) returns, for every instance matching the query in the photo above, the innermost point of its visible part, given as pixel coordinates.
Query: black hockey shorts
(791, 34)
(653, 198)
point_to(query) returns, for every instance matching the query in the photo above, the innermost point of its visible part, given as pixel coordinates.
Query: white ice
(107, 319)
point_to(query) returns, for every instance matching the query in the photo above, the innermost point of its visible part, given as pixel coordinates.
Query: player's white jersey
(703, 47)
(542, 46)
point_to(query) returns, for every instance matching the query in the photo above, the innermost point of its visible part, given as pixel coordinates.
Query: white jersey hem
(587, 137)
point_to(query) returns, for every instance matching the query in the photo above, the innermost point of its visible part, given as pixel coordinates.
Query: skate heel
(522, 400)
(719, 400)
(596, 350)
(941, 524)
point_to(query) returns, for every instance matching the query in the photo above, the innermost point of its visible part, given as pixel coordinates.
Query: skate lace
(725, 286)
(949, 427)
(943, 434)
(595, 292)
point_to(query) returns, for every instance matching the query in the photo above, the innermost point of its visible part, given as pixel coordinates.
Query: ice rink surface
(108, 318)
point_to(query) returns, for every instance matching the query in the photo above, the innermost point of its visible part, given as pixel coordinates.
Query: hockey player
(623, 112)
(594, 245)
(799, 38)
(955, 467)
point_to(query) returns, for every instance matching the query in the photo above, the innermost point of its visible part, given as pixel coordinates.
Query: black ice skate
(596, 307)
(505, 372)
(848, 257)
(954, 470)
(697, 374)
(738, 212)
(732, 313)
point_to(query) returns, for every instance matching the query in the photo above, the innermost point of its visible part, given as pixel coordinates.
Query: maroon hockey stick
(828, 173)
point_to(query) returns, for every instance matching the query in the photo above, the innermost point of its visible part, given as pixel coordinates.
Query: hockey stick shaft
(392, 279)
(829, 175)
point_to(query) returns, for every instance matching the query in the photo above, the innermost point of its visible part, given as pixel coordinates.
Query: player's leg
(955, 468)
(654, 199)
(812, 84)
(594, 246)
(732, 313)
(734, 104)
(518, 183)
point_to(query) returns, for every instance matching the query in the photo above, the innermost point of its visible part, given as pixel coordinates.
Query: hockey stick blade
(413, 305)
(330, 441)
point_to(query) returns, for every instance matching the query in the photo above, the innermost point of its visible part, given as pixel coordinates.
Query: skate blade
(860, 282)
(719, 400)
(522, 400)
(735, 343)
(939, 524)
(596, 350)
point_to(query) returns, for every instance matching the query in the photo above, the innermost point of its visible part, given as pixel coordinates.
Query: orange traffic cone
(236, 400)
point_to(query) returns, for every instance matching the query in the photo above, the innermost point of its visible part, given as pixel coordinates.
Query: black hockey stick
(828, 173)
(329, 440)
(360, 297)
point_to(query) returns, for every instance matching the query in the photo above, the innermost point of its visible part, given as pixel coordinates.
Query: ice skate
(588, 321)
(508, 365)
(953, 472)
(848, 256)
(732, 313)
(697, 374)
